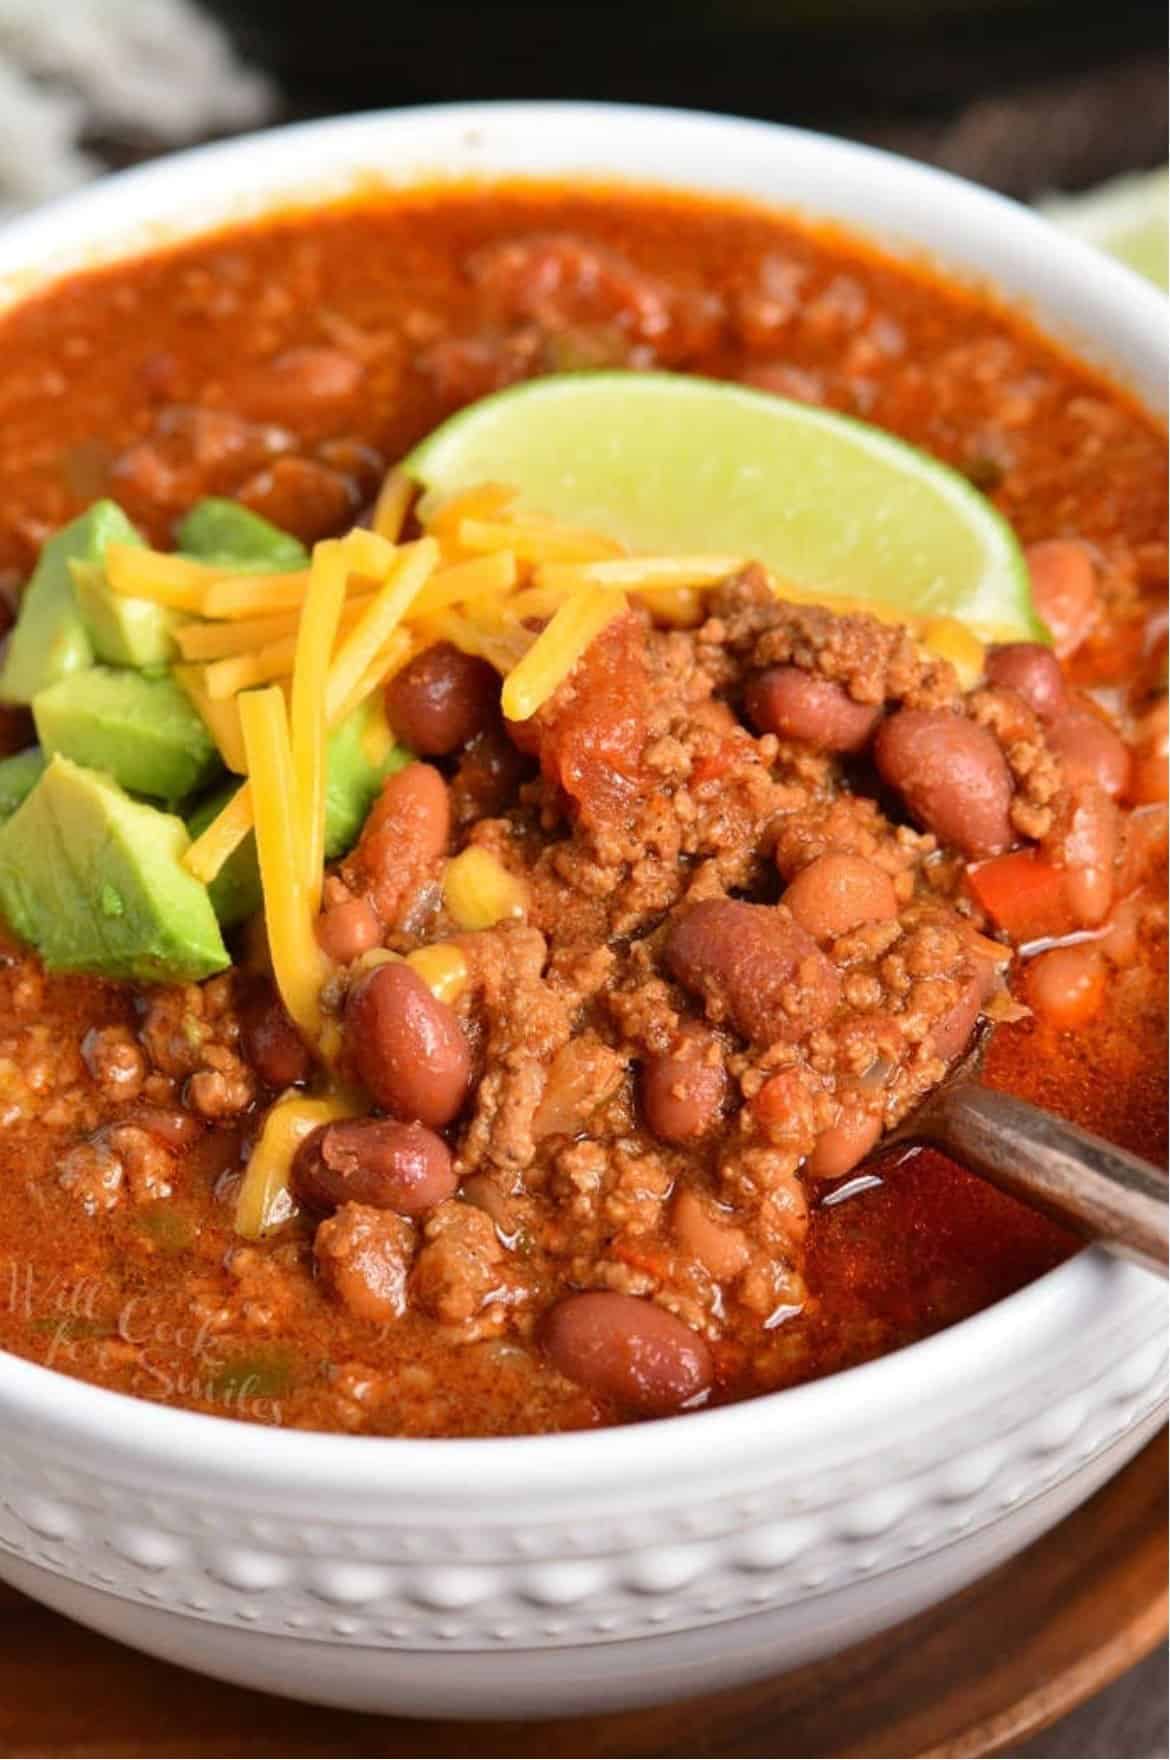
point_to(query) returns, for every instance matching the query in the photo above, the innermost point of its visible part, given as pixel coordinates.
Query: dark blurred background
(1027, 95)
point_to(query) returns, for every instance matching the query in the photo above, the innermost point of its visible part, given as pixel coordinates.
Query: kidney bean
(442, 699)
(843, 1145)
(270, 1042)
(1064, 586)
(754, 966)
(374, 1161)
(629, 1351)
(721, 1248)
(952, 776)
(348, 929)
(303, 496)
(1067, 985)
(1090, 751)
(795, 704)
(684, 1090)
(1088, 850)
(1033, 672)
(837, 893)
(406, 1046)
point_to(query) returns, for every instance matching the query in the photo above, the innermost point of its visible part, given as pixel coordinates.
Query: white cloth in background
(159, 71)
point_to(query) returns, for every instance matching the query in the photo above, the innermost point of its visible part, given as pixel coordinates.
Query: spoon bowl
(1113, 1198)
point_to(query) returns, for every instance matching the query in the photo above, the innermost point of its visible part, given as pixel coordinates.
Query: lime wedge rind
(673, 464)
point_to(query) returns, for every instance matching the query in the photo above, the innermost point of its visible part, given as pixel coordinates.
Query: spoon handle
(1104, 1193)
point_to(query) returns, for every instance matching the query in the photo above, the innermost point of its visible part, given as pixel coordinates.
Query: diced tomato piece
(592, 740)
(1022, 894)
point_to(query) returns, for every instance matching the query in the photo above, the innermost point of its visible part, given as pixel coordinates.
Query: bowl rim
(948, 1365)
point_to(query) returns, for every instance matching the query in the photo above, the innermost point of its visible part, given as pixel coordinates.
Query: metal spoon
(1106, 1194)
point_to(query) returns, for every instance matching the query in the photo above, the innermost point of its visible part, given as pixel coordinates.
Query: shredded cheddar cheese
(386, 662)
(176, 581)
(530, 541)
(392, 505)
(320, 617)
(410, 568)
(297, 962)
(221, 719)
(558, 648)
(253, 595)
(227, 831)
(483, 501)
(480, 577)
(264, 1200)
(634, 573)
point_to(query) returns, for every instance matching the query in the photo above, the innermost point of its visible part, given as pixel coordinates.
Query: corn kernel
(373, 956)
(676, 607)
(951, 640)
(442, 968)
(479, 891)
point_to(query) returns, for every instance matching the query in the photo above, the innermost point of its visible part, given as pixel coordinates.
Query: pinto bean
(405, 835)
(703, 1234)
(837, 893)
(1090, 751)
(374, 1161)
(1067, 985)
(1064, 586)
(754, 966)
(684, 1090)
(1088, 850)
(406, 1046)
(796, 704)
(348, 929)
(627, 1350)
(1033, 672)
(442, 699)
(952, 776)
(270, 1042)
(1121, 936)
(363, 1258)
(953, 1032)
(843, 1145)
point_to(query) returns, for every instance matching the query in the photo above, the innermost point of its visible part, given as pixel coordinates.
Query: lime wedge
(675, 465)
(1127, 218)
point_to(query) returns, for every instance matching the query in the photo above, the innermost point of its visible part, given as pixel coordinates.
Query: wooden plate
(975, 1676)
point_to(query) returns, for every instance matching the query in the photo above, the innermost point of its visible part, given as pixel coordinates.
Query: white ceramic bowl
(564, 1573)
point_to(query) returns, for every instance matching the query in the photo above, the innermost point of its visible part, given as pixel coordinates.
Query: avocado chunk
(142, 730)
(124, 631)
(19, 775)
(235, 892)
(50, 639)
(224, 533)
(95, 882)
(362, 753)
